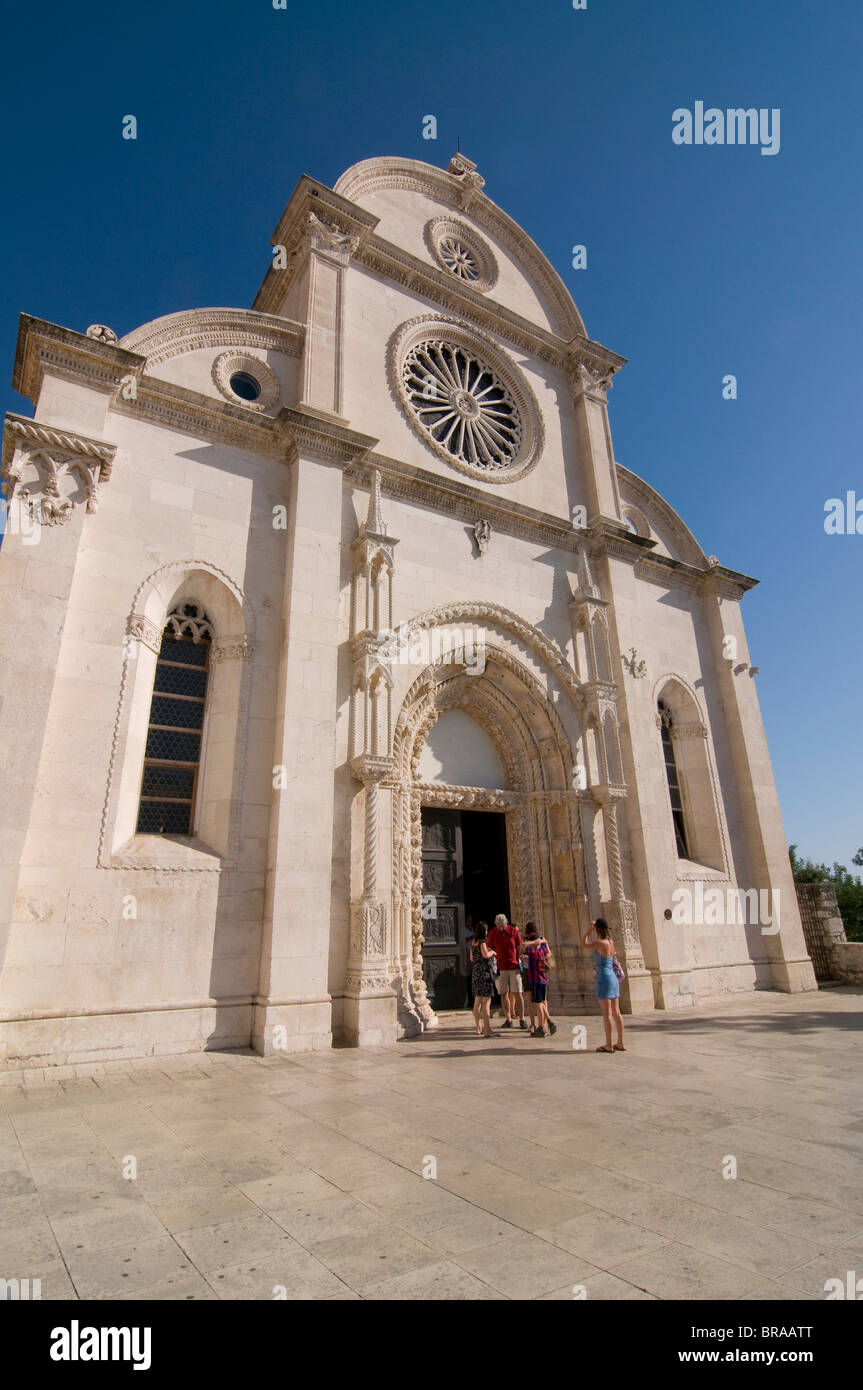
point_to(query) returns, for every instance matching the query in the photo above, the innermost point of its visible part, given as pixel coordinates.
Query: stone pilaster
(330, 247)
(370, 1005)
(769, 869)
(621, 914)
(293, 1009)
(51, 479)
(591, 368)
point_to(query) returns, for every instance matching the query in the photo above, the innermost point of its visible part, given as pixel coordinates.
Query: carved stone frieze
(192, 329)
(233, 649)
(685, 731)
(144, 631)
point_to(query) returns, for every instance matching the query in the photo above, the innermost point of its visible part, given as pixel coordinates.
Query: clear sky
(702, 260)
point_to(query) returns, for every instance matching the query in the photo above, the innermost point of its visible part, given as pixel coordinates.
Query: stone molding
(44, 346)
(457, 298)
(193, 329)
(191, 412)
(467, 610)
(452, 497)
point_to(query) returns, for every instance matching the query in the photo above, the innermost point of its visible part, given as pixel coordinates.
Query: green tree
(849, 890)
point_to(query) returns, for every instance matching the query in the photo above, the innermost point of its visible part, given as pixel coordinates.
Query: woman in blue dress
(607, 984)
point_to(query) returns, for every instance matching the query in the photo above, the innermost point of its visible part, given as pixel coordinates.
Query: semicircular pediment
(192, 329)
(403, 191)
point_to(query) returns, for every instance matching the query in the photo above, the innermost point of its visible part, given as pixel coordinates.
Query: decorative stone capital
(53, 470)
(622, 917)
(331, 239)
(373, 655)
(369, 767)
(608, 793)
(592, 367)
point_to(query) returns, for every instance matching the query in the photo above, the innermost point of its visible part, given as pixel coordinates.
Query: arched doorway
(540, 821)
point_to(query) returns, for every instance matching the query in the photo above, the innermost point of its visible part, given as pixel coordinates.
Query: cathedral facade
(331, 627)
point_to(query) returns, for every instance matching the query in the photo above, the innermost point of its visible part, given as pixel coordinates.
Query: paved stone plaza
(555, 1167)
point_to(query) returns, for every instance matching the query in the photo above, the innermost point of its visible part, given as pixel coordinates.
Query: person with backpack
(537, 957)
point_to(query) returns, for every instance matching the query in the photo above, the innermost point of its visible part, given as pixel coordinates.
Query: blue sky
(702, 260)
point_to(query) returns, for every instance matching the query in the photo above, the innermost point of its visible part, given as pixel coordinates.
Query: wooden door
(443, 909)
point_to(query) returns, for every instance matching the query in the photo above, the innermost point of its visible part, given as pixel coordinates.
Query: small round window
(243, 376)
(243, 384)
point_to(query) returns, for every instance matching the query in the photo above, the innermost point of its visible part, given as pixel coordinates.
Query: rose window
(462, 252)
(461, 404)
(458, 258)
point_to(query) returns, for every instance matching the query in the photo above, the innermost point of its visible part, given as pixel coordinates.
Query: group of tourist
(518, 970)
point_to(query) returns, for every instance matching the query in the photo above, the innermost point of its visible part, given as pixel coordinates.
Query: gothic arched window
(673, 778)
(173, 753)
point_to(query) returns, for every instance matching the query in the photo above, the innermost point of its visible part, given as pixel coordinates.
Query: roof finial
(375, 519)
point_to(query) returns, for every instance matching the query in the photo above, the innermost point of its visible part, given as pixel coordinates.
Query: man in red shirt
(505, 940)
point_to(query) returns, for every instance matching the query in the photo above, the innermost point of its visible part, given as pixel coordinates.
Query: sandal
(605, 1049)
(618, 1047)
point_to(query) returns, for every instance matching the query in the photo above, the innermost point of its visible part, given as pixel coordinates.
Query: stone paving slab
(448, 1168)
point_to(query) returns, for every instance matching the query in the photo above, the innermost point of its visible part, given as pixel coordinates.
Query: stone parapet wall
(848, 962)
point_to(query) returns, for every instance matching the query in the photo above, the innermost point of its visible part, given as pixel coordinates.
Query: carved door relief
(443, 916)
